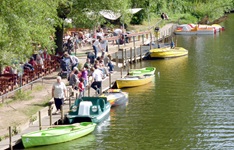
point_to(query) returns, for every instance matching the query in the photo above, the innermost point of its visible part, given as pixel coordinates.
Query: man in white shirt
(118, 32)
(96, 79)
(58, 93)
(97, 46)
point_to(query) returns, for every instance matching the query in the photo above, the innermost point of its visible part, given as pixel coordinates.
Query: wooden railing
(12, 82)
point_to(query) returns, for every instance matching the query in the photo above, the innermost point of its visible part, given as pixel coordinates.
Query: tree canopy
(28, 23)
(25, 24)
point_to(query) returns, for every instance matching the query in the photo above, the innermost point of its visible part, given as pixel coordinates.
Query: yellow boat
(133, 81)
(167, 52)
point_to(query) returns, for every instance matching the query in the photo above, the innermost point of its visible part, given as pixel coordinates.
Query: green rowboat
(142, 71)
(57, 134)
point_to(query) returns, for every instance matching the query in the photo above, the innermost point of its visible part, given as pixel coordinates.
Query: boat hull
(117, 98)
(133, 81)
(189, 29)
(56, 135)
(168, 52)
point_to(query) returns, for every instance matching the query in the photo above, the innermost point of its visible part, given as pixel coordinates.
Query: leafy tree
(24, 25)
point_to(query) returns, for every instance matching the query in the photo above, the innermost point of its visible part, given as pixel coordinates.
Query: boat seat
(102, 104)
(84, 108)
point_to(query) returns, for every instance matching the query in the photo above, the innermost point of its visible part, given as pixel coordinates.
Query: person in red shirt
(81, 87)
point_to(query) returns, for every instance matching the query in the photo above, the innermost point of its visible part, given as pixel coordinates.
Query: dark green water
(190, 104)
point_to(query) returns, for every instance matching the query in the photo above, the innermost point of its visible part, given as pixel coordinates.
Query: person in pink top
(84, 75)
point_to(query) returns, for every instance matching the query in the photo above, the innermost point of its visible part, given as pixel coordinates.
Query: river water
(189, 105)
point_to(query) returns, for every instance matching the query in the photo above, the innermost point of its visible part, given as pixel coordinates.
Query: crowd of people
(36, 61)
(77, 40)
(90, 74)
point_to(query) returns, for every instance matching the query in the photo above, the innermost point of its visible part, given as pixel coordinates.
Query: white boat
(189, 29)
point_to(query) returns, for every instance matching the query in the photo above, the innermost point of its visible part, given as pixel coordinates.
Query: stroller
(65, 66)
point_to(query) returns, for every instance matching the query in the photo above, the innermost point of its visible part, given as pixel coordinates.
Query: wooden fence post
(134, 41)
(121, 72)
(50, 113)
(143, 38)
(141, 52)
(131, 54)
(122, 57)
(125, 51)
(88, 91)
(39, 120)
(100, 92)
(116, 59)
(10, 138)
(135, 58)
(150, 40)
(62, 114)
(69, 101)
(109, 80)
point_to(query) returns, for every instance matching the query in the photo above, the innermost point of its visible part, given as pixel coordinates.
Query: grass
(34, 108)
(31, 110)
(22, 95)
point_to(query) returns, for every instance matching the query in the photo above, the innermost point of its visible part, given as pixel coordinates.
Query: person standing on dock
(59, 93)
(96, 82)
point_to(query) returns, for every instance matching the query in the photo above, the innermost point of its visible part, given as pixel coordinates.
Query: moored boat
(168, 52)
(142, 71)
(190, 29)
(88, 109)
(57, 134)
(133, 81)
(115, 96)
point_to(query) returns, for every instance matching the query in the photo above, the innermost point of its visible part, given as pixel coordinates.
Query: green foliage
(24, 24)
(28, 23)
(22, 95)
(195, 10)
(187, 18)
(137, 18)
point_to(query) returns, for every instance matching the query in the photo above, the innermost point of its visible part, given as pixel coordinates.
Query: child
(85, 75)
(81, 87)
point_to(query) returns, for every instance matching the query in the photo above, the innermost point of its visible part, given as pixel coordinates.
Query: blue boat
(88, 109)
